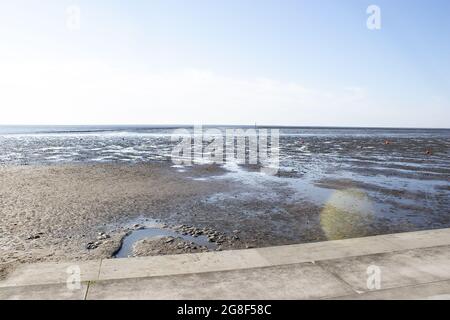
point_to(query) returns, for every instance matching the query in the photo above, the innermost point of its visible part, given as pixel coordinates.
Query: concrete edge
(45, 292)
(112, 269)
(435, 290)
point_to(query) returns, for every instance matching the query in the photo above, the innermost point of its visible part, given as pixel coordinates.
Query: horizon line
(162, 126)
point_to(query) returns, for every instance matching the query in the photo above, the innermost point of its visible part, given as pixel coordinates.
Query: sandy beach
(53, 212)
(89, 195)
(85, 211)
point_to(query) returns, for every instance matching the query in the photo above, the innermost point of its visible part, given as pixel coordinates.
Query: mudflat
(55, 212)
(51, 212)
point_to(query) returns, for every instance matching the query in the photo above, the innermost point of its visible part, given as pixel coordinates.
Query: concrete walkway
(413, 265)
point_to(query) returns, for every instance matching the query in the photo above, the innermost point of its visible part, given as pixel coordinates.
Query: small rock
(33, 237)
(102, 236)
(91, 246)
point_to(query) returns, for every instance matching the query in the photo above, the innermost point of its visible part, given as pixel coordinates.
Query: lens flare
(346, 214)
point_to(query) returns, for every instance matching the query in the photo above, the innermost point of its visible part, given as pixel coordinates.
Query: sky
(284, 62)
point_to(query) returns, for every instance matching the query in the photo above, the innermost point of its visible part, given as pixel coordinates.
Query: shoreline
(84, 211)
(416, 262)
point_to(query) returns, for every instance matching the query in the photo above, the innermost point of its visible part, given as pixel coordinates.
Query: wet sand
(53, 212)
(84, 211)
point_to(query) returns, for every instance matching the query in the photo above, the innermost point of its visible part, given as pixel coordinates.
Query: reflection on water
(126, 250)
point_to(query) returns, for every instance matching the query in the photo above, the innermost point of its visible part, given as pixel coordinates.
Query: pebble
(91, 246)
(102, 236)
(33, 237)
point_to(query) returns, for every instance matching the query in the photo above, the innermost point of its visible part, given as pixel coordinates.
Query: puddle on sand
(134, 236)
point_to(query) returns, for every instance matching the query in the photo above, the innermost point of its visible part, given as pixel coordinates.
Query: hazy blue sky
(224, 61)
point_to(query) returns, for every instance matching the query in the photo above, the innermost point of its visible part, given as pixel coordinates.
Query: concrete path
(413, 265)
